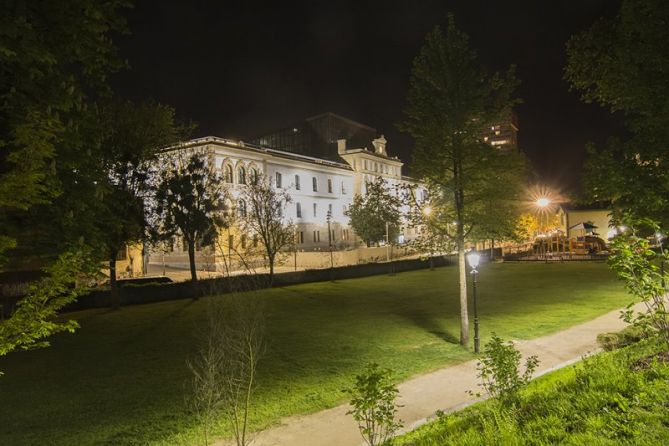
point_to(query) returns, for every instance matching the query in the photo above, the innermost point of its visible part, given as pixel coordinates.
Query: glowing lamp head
(427, 211)
(473, 259)
(543, 202)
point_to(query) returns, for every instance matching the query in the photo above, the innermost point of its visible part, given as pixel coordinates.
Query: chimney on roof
(380, 146)
(341, 146)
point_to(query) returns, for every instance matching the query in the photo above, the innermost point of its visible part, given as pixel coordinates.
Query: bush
(374, 408)
(498, 370)
(623, 338)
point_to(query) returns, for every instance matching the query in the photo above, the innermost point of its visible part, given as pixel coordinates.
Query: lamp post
(542, 203)
(329, 220)
(659, 236)
(473, 259)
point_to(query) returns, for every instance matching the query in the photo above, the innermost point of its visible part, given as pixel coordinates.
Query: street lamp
(329, 220)
(473, 259)
(542, 203)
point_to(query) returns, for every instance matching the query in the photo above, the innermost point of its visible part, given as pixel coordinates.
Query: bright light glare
(543, 202)
(427, 211)
(473, 259)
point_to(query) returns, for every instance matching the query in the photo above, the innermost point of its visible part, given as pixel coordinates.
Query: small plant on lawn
(641, 268)
(374, 408)
(499, 370)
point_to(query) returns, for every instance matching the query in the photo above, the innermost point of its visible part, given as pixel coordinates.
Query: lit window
(241, 175)
(227, 173)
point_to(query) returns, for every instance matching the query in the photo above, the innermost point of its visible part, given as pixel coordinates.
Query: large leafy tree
(264, 218)
(374, 211)
(450, 101)
(189, 201)
(622, 63)
(53, 60)
(131, 136)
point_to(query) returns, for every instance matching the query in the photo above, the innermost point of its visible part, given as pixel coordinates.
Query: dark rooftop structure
(317, 136)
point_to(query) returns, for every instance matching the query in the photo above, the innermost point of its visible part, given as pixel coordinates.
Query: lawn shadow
(430, 324)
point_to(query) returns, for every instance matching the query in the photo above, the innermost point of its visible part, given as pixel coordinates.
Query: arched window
(241, 175)
(241, 207)
(227, 173)
(254, 176)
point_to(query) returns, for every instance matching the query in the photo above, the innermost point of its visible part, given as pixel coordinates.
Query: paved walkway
(444, 389)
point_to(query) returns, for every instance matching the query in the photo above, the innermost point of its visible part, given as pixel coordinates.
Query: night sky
(241, 69)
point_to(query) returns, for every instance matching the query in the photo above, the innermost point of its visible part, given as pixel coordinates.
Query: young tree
(450, 101)
(225, 365)
(189, 201)
(264, 217)
(374, 212)
(622, 63)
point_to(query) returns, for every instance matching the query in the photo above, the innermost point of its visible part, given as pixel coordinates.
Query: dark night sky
(240, 69)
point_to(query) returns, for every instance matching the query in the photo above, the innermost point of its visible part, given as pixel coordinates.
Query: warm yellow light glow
(427, 211)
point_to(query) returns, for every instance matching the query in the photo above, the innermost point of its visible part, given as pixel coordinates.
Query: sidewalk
(444, 389)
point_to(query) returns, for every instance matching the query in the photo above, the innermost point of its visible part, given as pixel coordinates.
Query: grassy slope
(600, 401)
(119, 379)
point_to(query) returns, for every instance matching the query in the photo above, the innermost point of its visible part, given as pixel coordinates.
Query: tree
(374, 212)
(189, 200)
(131, 137)
(263, 217)
(621, 63)
(224, 368)
(52, 62)
(34, 319)
(450, 101)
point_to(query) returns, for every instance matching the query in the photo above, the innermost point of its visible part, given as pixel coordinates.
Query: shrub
(499, 373)
(373, 400)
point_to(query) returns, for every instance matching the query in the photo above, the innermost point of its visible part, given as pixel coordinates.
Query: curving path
(444, 389)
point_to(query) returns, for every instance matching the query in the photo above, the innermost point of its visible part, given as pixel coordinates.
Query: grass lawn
(119, 380)
(605, 400)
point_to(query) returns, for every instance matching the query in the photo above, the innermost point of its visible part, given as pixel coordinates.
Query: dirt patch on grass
(646, 362)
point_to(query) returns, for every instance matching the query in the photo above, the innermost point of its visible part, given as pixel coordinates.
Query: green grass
(603, 400)
(119, 380)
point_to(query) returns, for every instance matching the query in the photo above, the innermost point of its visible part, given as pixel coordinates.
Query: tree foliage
(34, 321)
(372, 211)
(189, 201)
(621, 63)
(451, 100)
(265, 218)
(53, 60)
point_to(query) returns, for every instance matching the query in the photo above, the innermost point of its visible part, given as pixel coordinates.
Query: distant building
(503, 135)
(319, 186)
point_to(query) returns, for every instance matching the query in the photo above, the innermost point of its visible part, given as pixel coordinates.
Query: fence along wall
(148, 293)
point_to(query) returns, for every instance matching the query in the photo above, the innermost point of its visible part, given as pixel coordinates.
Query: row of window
(316, 236)
(241, 174)
(379, 167)
(298, 210)
(314, 183)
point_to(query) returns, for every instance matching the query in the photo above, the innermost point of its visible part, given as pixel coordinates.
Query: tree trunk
(492, 249)
(464, 317)
(270, 259)
(193, 273)
(115, 296)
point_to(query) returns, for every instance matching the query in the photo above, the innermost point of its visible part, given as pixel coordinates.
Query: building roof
(238, 144)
